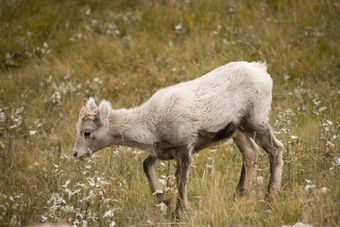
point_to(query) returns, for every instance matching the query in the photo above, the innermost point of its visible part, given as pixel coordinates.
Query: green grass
(55, 54)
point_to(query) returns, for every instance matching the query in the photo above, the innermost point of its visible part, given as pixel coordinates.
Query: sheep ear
(91, 104)
(104, 109)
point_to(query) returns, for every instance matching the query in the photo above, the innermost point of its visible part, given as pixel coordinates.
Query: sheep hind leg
(155, 186)
(265, 138)
(249, 152)
(182, 170)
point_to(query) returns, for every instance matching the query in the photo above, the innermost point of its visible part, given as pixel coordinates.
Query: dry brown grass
(55, 54)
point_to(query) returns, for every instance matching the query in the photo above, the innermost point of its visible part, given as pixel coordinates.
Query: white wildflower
(43, 218)
(98, 80)
(168, 189)
(214, 32)
(88, 12)
(66, 183)
(316, 102)
(90, 181)
(18, 196)
(330, 145)
(329, 122)
(309, 186)
(109, 213)
(71, 193)
(178, 27)
(324, 190)
(2, 116)
(322, 108)
(33, 132)
(68, 209)
(76, 223)
(162, 207)
(56, 98)
(162, 181)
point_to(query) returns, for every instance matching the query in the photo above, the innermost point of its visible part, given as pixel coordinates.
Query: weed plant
(55, 54)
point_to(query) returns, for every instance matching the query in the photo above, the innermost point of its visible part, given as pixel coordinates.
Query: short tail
(260, 65)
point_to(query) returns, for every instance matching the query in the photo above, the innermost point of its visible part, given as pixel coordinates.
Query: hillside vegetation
(55, 54)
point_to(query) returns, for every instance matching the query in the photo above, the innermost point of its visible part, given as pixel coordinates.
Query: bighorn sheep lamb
(232, 101)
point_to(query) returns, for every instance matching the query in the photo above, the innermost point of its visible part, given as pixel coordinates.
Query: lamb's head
(92, 128)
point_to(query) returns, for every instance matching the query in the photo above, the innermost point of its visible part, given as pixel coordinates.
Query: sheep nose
(75, 154)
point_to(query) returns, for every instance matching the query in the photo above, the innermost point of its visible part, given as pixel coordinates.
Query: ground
(55, 54)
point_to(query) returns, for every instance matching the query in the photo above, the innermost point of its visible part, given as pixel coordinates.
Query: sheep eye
(87, 134)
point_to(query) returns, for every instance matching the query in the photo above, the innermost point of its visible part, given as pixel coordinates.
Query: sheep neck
(134, 129)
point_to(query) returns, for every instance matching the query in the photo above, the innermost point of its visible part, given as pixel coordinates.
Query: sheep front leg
(154, 183)
(183, 163)
(249, 151)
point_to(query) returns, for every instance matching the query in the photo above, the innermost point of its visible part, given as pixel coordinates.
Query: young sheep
(232, 101)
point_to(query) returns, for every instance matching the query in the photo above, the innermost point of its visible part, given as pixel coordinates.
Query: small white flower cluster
(217, 30)
(82, 202)
(330, 135)
(16, 118)
(61, 89)
(56, 98)
(283, 123)
(14, 203)
(178, 28)
(112, 28)
(318, 107)
(43, 50)
(78, 37)
(312, 187)
(2, 115)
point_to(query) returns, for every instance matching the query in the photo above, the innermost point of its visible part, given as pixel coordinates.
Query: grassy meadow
(54, 54)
